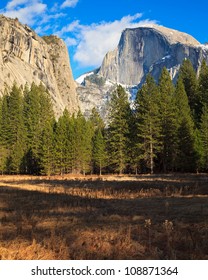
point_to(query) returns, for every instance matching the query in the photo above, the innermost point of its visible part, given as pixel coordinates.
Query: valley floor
(107, 217)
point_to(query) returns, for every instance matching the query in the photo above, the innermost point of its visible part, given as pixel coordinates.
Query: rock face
(25, 58)
(141, 51)
(92, 95)
(147, 50)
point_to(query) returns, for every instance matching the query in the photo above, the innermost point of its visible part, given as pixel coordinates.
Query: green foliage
(188, 76)
(83, 135)
(73, 144)
(204, 137)
(12, 128)
(99, 151)
(148, 123)
(62, 143)
(96, 120)
(47, 154)
(167, 130)
(37, 114)
(168, 122)
(99, 154)
(186, 154)
(118, 130)
(203, 85)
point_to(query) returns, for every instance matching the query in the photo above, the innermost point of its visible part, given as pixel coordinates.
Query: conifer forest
(132, 186)
(164, 130)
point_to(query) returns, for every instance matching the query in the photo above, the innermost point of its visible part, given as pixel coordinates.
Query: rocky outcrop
(140, 51)
(93, 95)
(25, 58)
(148, 49)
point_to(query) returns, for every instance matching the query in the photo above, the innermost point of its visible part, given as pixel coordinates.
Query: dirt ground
(107, 217)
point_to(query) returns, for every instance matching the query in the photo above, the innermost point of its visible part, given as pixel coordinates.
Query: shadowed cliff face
(149, 49)
(27, 58)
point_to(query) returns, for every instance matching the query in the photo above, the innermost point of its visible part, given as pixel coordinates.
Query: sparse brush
(147, 225)
(93, 219)
(168, 226)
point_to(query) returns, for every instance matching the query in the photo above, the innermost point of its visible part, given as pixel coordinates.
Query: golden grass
(108, 217)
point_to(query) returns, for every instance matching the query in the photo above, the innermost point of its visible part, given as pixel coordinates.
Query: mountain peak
(142, 50)
(147, 49)
(173, 36)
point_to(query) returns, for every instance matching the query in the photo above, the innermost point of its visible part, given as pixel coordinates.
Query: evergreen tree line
(166, 130)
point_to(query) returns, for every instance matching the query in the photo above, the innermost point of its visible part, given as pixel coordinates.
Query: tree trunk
(151, 158)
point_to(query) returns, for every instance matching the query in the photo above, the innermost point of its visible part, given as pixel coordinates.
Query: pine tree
(118, 130)
(99, 150)
(188, 76)
(203, 87)
(132, 145)
(99, 155)
(186, 143)
(204, 136)
(3, 150)
(168, 122)
(199, 150)
(73, 145)
(62, 143)
(148, 125)
(47, 151)
(32, 123)
(84, 134)
(80, 133)
(14, 130)
(5, 120)
(37, 113)
(96, 120)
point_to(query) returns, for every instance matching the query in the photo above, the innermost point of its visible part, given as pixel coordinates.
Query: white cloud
(14, 3)
(49, 17)
(89, 43)
(35, 13)
(75, 25)
(95, 40)
(69, 3)
(27, 11)
(27, 14)
(70, 42)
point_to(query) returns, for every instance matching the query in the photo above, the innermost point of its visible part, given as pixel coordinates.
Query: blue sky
(91, 28)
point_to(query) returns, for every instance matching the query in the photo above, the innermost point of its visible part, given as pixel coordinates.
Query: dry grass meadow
(108, 217)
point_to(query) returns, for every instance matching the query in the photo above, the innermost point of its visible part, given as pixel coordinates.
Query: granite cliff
(141, 51)
(147, 50)
(25, 58)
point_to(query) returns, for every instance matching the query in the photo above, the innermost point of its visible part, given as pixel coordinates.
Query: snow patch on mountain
(80, 79)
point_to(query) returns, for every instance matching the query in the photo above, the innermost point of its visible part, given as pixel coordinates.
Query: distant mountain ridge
(25, 58)
(144, 50)
(148, 49)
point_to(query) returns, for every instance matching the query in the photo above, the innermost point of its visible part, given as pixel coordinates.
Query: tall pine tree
(204, 136)
(203, 87)
(148, 124)
(13, 129)
(118, 130)
(38, 113)
(99, 151)
(168, 122)
(186, 145)
(189, 78)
